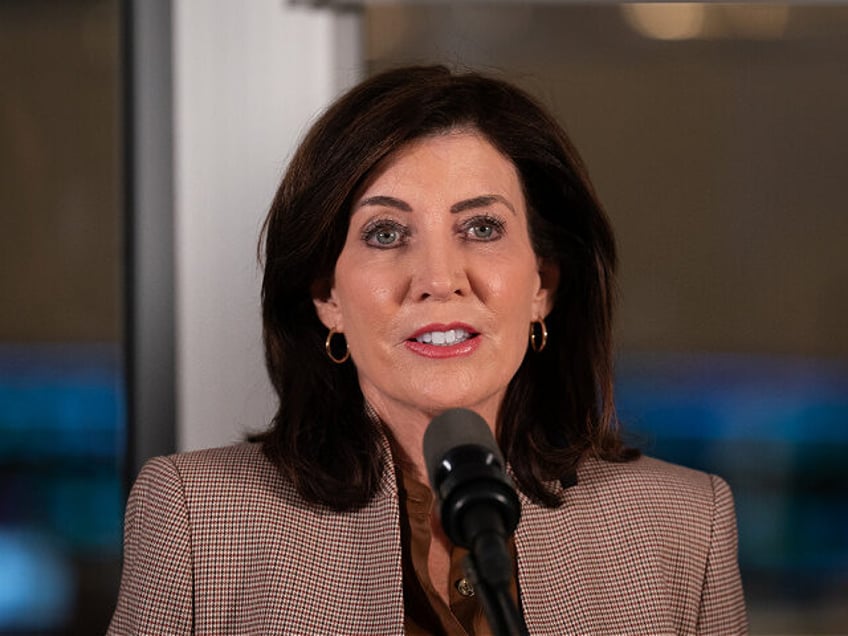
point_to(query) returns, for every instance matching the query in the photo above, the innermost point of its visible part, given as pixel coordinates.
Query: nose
(439, 272)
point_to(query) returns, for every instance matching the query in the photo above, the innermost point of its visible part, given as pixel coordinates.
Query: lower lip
(464, 348)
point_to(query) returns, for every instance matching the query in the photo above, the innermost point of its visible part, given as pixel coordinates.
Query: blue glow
(36, 586)
(776, 428)
(61, 401)
(62, 431)
(734, 397)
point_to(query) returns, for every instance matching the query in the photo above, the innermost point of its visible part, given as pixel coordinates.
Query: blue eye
(386, 237)
(484, 229)
(385, 234)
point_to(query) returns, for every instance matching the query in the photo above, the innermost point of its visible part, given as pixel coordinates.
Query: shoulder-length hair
(559, 405)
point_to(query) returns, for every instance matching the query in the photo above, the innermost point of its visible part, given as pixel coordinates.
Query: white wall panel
(248, 77)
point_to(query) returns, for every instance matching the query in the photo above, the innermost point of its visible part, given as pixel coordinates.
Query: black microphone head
(456, 427)
(467, 473)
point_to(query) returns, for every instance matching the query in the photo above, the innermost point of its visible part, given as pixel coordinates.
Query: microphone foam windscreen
(456, 427)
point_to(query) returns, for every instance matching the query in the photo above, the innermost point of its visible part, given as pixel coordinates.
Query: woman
(429, 223)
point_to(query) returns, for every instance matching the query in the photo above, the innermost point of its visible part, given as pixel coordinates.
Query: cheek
(368, 303)
(514, 289)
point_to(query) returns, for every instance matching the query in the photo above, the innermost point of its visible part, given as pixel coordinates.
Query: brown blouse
(425, 611)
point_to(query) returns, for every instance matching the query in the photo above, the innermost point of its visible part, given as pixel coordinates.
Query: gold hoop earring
(328, 347)
(536, 346)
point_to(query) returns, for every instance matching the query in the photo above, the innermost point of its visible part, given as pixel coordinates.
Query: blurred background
(141, 145)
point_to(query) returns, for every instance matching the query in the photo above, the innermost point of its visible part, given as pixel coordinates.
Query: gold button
(464, 587)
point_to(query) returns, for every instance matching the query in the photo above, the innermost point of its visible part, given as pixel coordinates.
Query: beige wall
(60, 205)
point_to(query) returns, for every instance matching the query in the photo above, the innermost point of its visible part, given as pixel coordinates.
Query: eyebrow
(482, 201)
(387, 202)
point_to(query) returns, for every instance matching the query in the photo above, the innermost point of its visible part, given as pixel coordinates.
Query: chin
(435, 402)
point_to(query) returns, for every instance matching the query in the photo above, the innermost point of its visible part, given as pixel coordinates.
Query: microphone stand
(502, 614)
(488, 566)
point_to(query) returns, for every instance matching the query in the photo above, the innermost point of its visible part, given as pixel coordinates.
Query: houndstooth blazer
(216, 542)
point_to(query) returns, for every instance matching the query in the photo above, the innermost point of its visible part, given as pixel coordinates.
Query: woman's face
(437, 282)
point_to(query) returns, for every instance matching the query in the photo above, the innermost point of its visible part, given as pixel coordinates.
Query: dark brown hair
(558, 407)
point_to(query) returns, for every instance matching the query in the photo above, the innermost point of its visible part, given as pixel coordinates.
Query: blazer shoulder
(245, 459)
(647, 475)
(652, 488)
(215, 476)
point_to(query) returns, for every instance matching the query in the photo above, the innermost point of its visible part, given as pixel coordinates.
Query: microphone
(466, 471)
(478, 508)
(478, 505)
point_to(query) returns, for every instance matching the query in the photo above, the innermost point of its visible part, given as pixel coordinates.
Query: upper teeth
(449, 337)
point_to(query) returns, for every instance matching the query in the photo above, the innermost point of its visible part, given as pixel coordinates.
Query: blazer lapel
(542, 544)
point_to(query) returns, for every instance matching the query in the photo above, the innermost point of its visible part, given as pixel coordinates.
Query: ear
(327, 305)
(543, 302)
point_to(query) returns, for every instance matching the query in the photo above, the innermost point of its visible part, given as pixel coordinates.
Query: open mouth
(445, 338)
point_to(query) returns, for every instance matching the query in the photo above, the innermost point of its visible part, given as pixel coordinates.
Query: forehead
(463, 161)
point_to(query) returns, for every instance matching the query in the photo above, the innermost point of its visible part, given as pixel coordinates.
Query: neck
(406, 434)
(407, 425)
